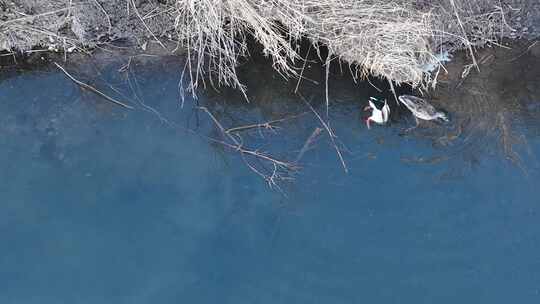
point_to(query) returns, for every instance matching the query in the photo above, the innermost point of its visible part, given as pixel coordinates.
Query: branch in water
(91, 88)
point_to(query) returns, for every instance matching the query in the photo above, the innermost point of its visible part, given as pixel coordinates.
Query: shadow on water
(104, 205)
(495, 109)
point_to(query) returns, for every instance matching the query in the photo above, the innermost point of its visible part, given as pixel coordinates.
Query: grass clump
(392, 39)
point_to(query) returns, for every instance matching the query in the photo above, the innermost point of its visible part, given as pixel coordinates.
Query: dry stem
(280, 168)
(92, 89)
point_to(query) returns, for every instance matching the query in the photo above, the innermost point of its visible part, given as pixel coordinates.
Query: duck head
(443, 116)
(380, 111)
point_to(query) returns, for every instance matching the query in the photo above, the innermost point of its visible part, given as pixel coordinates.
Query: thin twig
(106, 15)
(467, 42)
(136, 89)
(219, 125)
(91, 88)
(302, 72)
(308, 143)
(374, 86)
(393, 91)
(146, 25)
(238, 146)
(256, 154)
(330, 134)
(33, 16)
(327, 65)
(265, 125)
(524, 52)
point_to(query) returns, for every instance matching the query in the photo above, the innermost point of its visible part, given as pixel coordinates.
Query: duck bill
(367, 108)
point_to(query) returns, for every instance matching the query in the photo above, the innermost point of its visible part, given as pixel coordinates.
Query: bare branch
(94, 90)
(279, 167)
(330, 134)
(308, 143)
(264, 125)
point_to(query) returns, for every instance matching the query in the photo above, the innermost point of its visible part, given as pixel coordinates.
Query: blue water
(105, 205)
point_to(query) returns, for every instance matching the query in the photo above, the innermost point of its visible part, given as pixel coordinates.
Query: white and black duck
(380, 111)
(422, 109)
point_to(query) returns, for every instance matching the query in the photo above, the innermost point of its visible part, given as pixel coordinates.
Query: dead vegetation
(28, 26)
(271, 169)
(390, 39)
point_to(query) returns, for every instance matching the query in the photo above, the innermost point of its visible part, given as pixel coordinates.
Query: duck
(380, 111)
(422, 109)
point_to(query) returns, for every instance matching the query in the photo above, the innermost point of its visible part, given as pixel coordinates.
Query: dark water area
(100, 204)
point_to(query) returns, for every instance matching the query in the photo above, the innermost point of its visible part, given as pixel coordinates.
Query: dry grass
(214, 33)
(391, 39)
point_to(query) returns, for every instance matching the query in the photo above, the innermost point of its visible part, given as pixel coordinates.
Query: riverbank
(393, 40)
(105, 205)
(487, 107)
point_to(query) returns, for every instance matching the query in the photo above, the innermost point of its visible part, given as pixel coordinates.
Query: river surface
(101, 204)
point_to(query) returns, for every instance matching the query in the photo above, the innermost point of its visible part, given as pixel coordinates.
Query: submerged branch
(264, 125)
(279, 167)
(330, 134)
(308, 143)
(92, 89)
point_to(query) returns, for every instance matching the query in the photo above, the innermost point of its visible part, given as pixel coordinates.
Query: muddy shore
(36, 26)
(28, 26)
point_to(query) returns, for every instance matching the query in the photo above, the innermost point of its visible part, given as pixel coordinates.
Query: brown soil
(65, 24)
(33, 26)
(61, 25)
